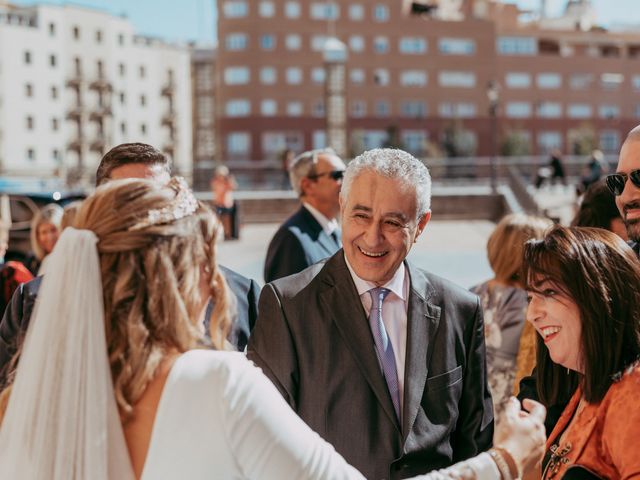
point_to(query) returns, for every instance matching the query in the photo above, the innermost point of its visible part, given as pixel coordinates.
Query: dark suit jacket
(313, 340)
(298, 243)
(18, 314)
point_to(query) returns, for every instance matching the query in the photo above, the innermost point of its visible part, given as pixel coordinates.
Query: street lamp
(493, 95)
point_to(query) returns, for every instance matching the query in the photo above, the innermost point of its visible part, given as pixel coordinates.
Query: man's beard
(633, 225)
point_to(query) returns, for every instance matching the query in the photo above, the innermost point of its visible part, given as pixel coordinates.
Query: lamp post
(335, 58)
(493, 95)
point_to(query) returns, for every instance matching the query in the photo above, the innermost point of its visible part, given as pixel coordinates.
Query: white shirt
(328, 226)
(394, 314)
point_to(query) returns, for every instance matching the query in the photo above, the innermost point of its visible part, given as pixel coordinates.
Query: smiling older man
(382, 359)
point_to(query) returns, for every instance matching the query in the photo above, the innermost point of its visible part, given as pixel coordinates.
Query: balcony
(75, 81)
(98, 144)
(75, 145)
(100, 113)
(101, 84)
(75, 113)
(168, 90)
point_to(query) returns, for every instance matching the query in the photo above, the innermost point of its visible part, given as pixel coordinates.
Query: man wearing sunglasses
(625, 185)
(312, 233)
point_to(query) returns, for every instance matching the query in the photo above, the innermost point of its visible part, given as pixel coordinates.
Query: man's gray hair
(304, 165)
(394, 164)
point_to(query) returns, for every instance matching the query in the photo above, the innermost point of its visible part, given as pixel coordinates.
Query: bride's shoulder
(217, 366)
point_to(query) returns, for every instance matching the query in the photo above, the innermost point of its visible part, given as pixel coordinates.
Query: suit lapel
(422, 323)
(342, 300)
(315, 229)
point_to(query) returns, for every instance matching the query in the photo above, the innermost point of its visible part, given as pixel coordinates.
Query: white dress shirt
(394, 314)
(328, 226)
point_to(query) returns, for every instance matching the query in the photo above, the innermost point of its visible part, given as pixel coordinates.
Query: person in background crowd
(598, 209)
(592, 172)
(504, 303)
(312, 233)
(554, 171)
(45, 229)
(584, 302)
(222, 186)
(12, 273)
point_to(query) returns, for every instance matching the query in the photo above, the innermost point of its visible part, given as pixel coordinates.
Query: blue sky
(186, 20)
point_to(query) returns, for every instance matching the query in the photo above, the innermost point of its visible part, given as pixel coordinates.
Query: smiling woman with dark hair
(584, 301)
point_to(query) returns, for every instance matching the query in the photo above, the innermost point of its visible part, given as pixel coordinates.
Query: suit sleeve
(474, 430)
(285, 256)
(271, 346)
(10, 331)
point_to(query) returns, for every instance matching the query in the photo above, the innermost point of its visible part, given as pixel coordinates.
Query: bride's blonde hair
(152, 265)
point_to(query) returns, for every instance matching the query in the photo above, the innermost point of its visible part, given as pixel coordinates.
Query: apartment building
(418, 81)
(76, 81)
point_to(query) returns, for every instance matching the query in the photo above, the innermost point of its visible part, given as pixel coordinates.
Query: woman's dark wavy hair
(601, 274)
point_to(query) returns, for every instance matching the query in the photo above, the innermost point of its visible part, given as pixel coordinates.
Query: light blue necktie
(384, 349)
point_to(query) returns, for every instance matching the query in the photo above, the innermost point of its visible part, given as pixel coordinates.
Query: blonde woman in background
(113, 382)
(504, 302)
(45, 230)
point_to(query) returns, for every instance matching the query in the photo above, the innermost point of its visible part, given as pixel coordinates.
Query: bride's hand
(522, 434)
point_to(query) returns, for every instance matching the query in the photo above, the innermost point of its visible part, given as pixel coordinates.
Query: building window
(294, 76)
(268, 41)
(317, 109)
(293, 42)
(381, 77)
(317, 42)
(236, 75)
(456, 46)
(238, 143)
(143, 100)
(143, 71)
(54, 124)
(235, 9)
(358, 108)
(276, 142)
(28, 90)
(548, 141)
(268, 75)
(579, 110)
(413, 78)
(357, 76)
(374, 139)
(609, 111)
(611, 81)
(381, 13)
(52, 29)
(292, 9)
(414, 141)
(54, 92)
(27, 57)
(120, 39)
(266, 9)
(76, 32)
(635, 81)
(517, 46)
(413, 109)
(318, 75)
(382, 108)
(294, 109)
(30, 122)
(268, 107)
(518, 110)
(143, 128)
(356, 43)
(381, 44)
(52, 60)
(55, 154)
(319, 139)
(580, 81)
(235, 41)
(517, 80)
(356, 12)
(457, 110)
(31, 154)
(412, 45)
(238, 108)
(121, 69)
(324, 11)
(636, 111)
(549, 80)
(610, 141)
(122, 98)
(549, 110)
(123, 128)
(457, 79)
(98, 36)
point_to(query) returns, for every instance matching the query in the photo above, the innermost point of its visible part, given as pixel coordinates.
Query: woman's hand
(522, 434)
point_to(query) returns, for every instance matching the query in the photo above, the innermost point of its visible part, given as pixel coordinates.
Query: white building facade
(75, 82)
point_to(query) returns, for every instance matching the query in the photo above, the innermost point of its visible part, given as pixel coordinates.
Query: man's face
(322, 191)
(140, 170)
(629, 201)
(379, 226)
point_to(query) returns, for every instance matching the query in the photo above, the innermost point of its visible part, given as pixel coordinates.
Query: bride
(114, 381)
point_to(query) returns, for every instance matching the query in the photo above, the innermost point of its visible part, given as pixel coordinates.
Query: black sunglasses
(335, 174)
(617, 181)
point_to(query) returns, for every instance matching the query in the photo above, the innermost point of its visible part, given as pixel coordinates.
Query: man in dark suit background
(128, 160)
(384, 360)
(311, 234)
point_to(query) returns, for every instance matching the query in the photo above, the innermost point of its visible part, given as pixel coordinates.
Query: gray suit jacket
(313, 340)
(298, 243)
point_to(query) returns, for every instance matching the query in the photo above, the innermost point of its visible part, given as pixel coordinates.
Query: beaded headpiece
(183, 205)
